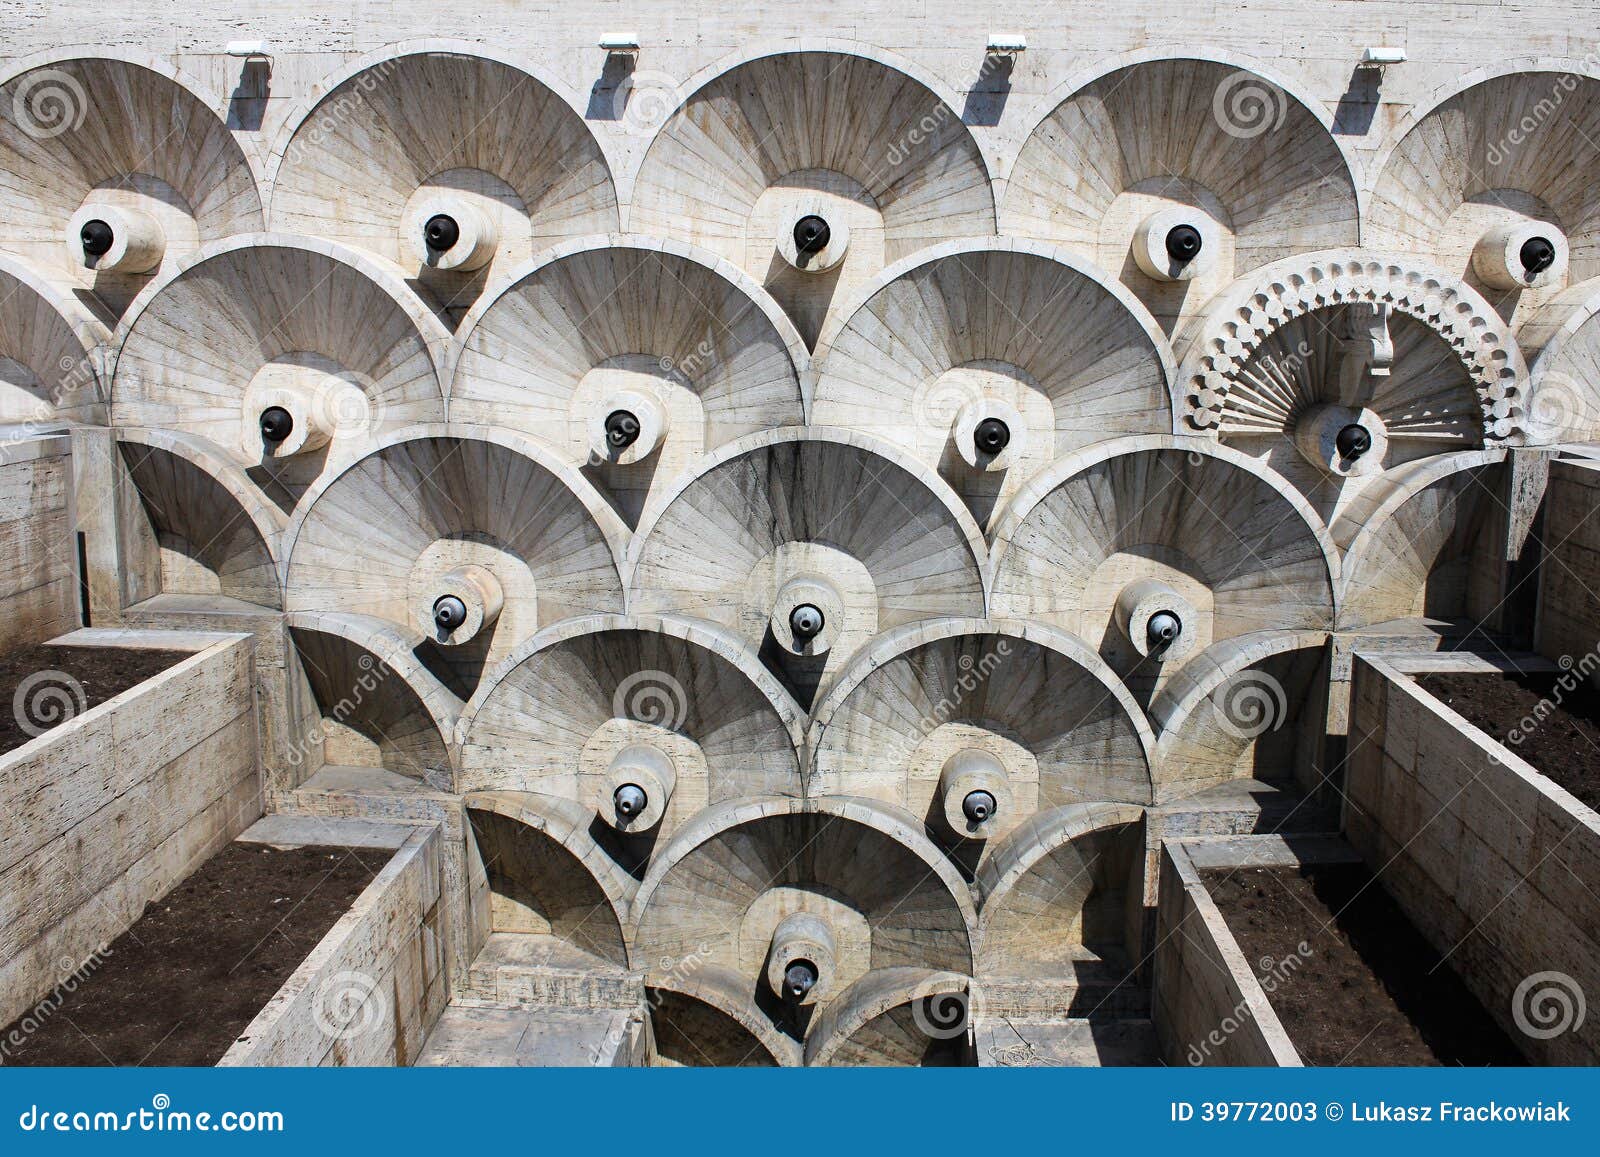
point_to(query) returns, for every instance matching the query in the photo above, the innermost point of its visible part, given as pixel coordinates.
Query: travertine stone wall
(38, 554)
(1569, 579)
(1491, 860)
(108, 811)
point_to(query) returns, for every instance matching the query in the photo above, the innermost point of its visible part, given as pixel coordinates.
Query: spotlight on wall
(620, 43)
(1007, 43)
(250, 49)
(1382, 56)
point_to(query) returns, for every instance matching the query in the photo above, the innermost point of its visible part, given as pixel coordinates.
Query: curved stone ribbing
(435, 122)
(1221, 343)
(108, 131)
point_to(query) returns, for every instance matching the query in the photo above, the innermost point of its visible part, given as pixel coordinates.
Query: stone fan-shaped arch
(704, 1016)
(824, 129)
(561, 706)
(379, 705)
(383, 536)
(49, 351)
(198, 347)
(1072, 356)
(1238, 323)
(717, 892)
(1055, 891)
(1503, 147)
(1048, 708)
(885, 536)
(590, 323)
(1243, 709)
(546, 876)
(431, 120)
(1562, 343)
(1224, 531)
(216, 535)
(895, 1016)
(120, 131)
(1414, 544)
(1251, 154)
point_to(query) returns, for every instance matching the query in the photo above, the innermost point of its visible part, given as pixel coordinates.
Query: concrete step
(517, 970)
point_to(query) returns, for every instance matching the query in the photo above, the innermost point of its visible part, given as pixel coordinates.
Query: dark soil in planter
(1564, 744)
(181, 985)
(1371, 991)
(100, 672)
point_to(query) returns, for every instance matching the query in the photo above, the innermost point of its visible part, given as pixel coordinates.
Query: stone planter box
(1491, 860)
(110, 810)
(1208, 1006)
(370, 992)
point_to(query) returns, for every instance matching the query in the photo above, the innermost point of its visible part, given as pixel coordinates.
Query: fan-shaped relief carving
(377, 706)
(896, 1017)
(455, 165)
(119, 172)
(288, 355)
(1373, 291)
(49, 351)
(806, 544)
(813, 170)
(1562, 343)
(1179, 175)
(1489, 181)
(1245, 709)
(1059, 896)
(800, 900)
(634, 357)
(538, 876)
(1155, 548)
(1334, 397)
(703, 1016)
(472, 542)
(1419, 544)
(209, 536)
(971, 727)
(988, 360)
(642, 722)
